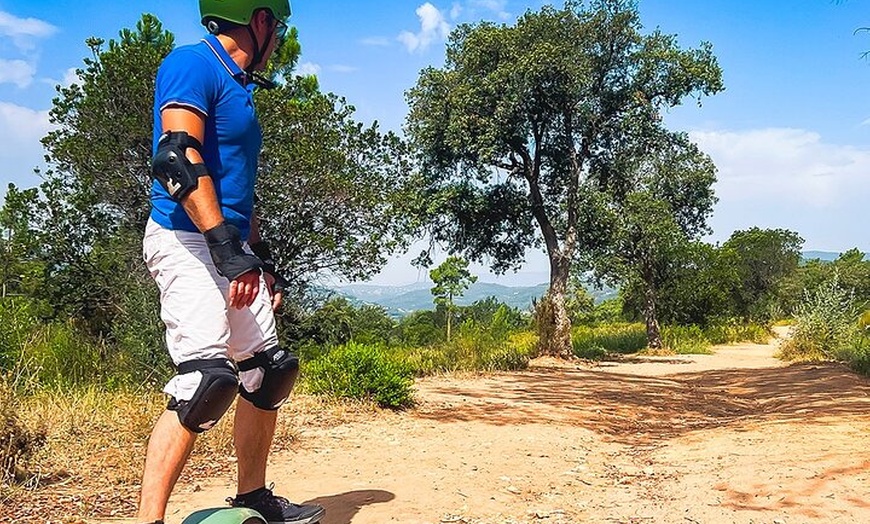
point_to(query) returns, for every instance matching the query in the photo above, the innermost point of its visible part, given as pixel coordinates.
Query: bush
(825, 325)
(18, 322)
(474, 348)
(363, 372)
(419, 329)
(64, 356)
(730, 332)
(593, 352)
(686, 340)
(590, 342)
(17, 442)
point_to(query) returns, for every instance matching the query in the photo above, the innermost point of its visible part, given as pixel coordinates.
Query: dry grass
(94, 450)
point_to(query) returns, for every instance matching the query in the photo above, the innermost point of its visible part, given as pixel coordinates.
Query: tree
(658, 207)
(332, 191)
(104, 122)
(95, 196)
(698, 289)
(451, 279)
(521, 131)
(764, 258)
(20, 269)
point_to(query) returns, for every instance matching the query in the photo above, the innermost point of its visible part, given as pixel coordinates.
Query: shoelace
(282, 502)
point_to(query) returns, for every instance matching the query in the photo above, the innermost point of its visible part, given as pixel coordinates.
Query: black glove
(225, 245)
(261, 249)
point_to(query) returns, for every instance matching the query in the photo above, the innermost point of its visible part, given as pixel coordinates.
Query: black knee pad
(212, 398)
(280, 369)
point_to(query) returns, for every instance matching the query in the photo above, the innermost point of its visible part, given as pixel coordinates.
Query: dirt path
(734, 437)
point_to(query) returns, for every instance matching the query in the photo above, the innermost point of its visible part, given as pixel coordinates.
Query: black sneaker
(278, 510)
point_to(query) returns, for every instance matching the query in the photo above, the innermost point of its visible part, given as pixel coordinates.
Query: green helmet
(241, 11)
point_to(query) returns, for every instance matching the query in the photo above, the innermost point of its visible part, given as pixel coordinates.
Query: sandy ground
(734, 437)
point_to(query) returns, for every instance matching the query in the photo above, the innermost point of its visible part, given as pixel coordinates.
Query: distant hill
(828, 256)
(401, 300)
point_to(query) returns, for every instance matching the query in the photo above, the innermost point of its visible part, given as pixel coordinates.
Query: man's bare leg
(168, 449)
(252, 435)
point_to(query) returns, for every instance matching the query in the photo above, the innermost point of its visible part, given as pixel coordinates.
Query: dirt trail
(734, 437)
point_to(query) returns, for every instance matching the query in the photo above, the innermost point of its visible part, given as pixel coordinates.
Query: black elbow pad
(170, 166)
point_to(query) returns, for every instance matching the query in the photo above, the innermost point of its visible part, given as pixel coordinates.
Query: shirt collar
(231, 66)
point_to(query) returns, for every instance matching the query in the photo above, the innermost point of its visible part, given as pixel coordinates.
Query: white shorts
(193, 305)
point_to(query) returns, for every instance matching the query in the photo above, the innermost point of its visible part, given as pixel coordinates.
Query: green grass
(363, 372)
(595, 342)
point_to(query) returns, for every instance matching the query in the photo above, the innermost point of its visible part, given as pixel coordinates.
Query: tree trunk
(449, 314)
(653, 334)
(554, 326)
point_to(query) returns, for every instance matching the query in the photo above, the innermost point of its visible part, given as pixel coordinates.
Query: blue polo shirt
(203, 77)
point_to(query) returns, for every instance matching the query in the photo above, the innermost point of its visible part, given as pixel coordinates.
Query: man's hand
(231, 261)
(275, 282)
(244, 289)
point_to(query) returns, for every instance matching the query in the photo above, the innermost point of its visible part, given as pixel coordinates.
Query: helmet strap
(259, 50)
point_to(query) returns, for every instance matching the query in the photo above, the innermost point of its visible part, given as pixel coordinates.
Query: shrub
(419, 329)
(593, 352)
(825, 324)
(18, 321)
(589, 341)
(17, 442)
(685, 340)
(474, 348)
(364, 372)
(730, 332)
(59, 355)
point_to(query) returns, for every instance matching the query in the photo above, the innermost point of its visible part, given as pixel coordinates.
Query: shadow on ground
(341, 508)
(632, 408)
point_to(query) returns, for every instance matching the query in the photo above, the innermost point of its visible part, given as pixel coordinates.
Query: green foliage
(540, 102)
(699, 286)
(857, 354)
(103, 122)
(729, 332)
(419, 329)
(138, 346)
(595, 342)
(824, 324)
(337, 321)
(475, 348)
(53, 354)
(18, 321)
(764, 258)
(333, 192)
(607, 312)
(489, 310)
(686, 340)
(451, 279)
(850, 267)
(20, 268)
(364, 372)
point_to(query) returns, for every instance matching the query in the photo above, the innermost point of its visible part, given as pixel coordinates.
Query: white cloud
(792, 179)
(496, 6)
(455, 11)
(377, 41)
(16, 72)
(21, 129)
(70, 77)
(308, 68)
(23, 31)
(791, 164)
(340, 68)
(433, 27)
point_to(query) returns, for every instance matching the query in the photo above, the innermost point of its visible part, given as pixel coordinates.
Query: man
(214, 292)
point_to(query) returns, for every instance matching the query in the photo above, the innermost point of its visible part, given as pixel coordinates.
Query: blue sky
(790, 135)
